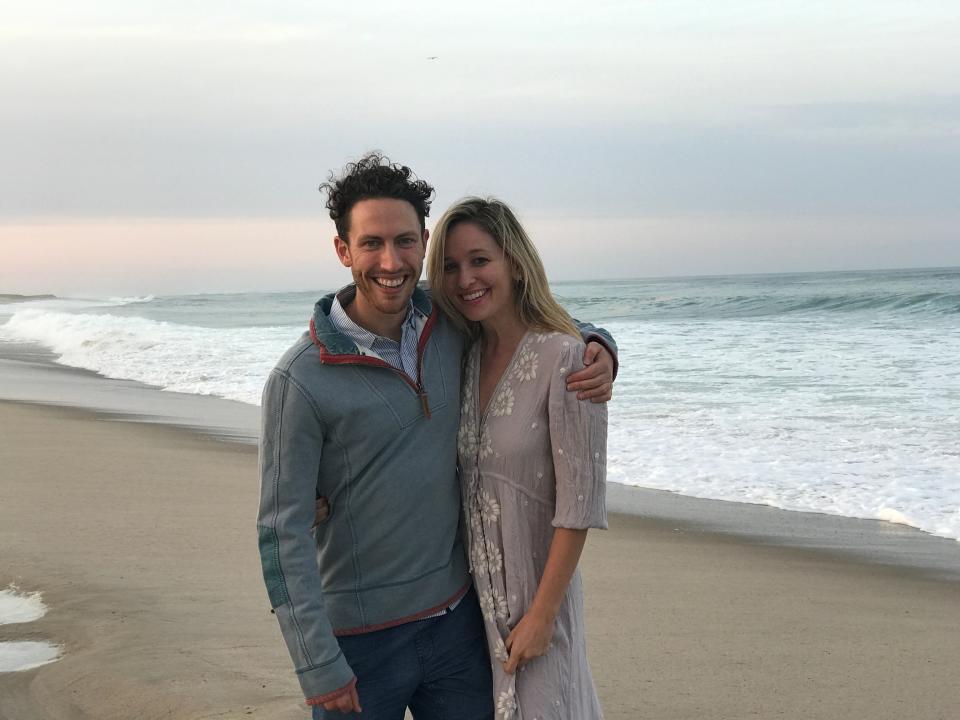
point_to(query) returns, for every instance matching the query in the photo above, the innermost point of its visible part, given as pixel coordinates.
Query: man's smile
(389, 283)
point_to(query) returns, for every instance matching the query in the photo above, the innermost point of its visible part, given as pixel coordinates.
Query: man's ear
(426, 236)
(343, 251)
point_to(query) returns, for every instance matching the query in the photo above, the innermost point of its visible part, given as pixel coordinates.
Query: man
(375, 603)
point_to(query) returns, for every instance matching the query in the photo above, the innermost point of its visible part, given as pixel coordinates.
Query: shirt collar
(345, 324)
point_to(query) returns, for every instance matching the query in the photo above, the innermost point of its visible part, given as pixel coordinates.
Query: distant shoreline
(14, 298)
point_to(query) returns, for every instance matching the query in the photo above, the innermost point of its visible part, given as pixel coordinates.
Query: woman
(532, 460)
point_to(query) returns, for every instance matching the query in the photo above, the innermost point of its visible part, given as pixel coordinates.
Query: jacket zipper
(376, 362)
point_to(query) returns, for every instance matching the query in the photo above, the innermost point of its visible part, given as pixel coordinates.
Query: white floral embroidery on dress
(527, 363)
(476, 519)
(494, 558)
(493, 605)
(486, 447)
(507, 704)
(478, 556)
(543, 337)
(489, 508)
(467, 440)
(503, 403)
(500, 650)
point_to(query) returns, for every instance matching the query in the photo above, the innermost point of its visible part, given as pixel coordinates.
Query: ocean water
(827, 392)
(17, 607)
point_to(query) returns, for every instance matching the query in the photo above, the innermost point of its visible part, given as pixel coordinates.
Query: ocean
(834, 392)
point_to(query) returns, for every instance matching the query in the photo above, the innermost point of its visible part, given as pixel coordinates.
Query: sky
(177, 147)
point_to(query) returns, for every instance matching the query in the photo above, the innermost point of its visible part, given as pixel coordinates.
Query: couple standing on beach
(458, 598)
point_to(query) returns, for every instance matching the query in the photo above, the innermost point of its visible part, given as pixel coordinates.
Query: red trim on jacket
(329, 358)
(321, 699)
(409, 618)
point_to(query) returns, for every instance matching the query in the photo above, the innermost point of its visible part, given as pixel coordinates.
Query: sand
(142, 540)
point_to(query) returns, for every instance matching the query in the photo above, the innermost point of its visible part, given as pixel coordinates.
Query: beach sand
(142, 540)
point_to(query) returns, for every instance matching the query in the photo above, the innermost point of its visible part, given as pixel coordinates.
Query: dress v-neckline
(482, 412)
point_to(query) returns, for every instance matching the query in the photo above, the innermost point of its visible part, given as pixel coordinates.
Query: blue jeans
(438, 667)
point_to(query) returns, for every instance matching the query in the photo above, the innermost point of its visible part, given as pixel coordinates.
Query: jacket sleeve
(291, 442)
(591, 333)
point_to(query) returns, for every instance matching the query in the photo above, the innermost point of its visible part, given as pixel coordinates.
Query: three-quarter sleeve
(578, 440)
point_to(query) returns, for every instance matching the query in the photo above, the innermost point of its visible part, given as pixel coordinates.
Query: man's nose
(390, 258)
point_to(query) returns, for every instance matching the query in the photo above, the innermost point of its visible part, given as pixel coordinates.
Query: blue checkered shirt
(401, 355)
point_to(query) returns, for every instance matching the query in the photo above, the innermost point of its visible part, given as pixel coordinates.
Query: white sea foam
(131, 300)
(17, 607)
(228, 362)
(832, 418)
(17, 656)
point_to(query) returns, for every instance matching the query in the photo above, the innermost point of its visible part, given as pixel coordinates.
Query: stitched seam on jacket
(354, 554)
(276, 495)
(336, 657)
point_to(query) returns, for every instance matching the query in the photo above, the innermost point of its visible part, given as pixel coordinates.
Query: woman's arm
(531, 636)
(578, 443)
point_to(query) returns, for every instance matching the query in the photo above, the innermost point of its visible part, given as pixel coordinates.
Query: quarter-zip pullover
(382, 447)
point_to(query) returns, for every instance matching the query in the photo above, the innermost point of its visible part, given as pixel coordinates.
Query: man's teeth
(474, 295)
(390, 283)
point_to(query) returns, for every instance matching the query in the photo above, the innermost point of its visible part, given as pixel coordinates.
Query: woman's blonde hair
(535, 303)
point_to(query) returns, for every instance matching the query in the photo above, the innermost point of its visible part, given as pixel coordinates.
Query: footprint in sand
(17, 607)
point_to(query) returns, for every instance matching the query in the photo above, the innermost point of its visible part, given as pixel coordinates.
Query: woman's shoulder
(556, 347)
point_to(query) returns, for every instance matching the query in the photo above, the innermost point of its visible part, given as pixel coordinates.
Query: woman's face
(477, 276)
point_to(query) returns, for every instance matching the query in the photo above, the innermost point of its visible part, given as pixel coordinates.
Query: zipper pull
(425, 403)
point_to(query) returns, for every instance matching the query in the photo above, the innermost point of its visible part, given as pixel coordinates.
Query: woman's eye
(449, 267)
(480, 261)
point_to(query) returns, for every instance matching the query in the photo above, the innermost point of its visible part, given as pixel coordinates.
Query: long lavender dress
(533, 461)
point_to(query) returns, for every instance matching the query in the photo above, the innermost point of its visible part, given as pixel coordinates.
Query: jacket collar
(333, 342)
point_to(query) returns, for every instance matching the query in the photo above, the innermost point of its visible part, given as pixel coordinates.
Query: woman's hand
(531, 636)
(529, 639)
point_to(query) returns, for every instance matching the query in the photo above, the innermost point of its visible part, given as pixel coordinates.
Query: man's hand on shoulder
(595, 381)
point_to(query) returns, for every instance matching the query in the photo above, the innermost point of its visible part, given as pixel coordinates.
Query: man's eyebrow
(372, 236)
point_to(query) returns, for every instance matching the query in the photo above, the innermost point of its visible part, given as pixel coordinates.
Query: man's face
(385, 254)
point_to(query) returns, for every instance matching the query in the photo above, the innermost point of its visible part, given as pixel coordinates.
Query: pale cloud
(237, 110)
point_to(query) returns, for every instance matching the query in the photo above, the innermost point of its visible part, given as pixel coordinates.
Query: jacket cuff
(320, 684)
(595, 337)
(321, 699)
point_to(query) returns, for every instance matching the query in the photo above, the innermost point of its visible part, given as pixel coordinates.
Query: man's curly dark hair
(374, 176)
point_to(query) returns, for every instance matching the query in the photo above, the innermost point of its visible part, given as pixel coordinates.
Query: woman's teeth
(474, 295)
